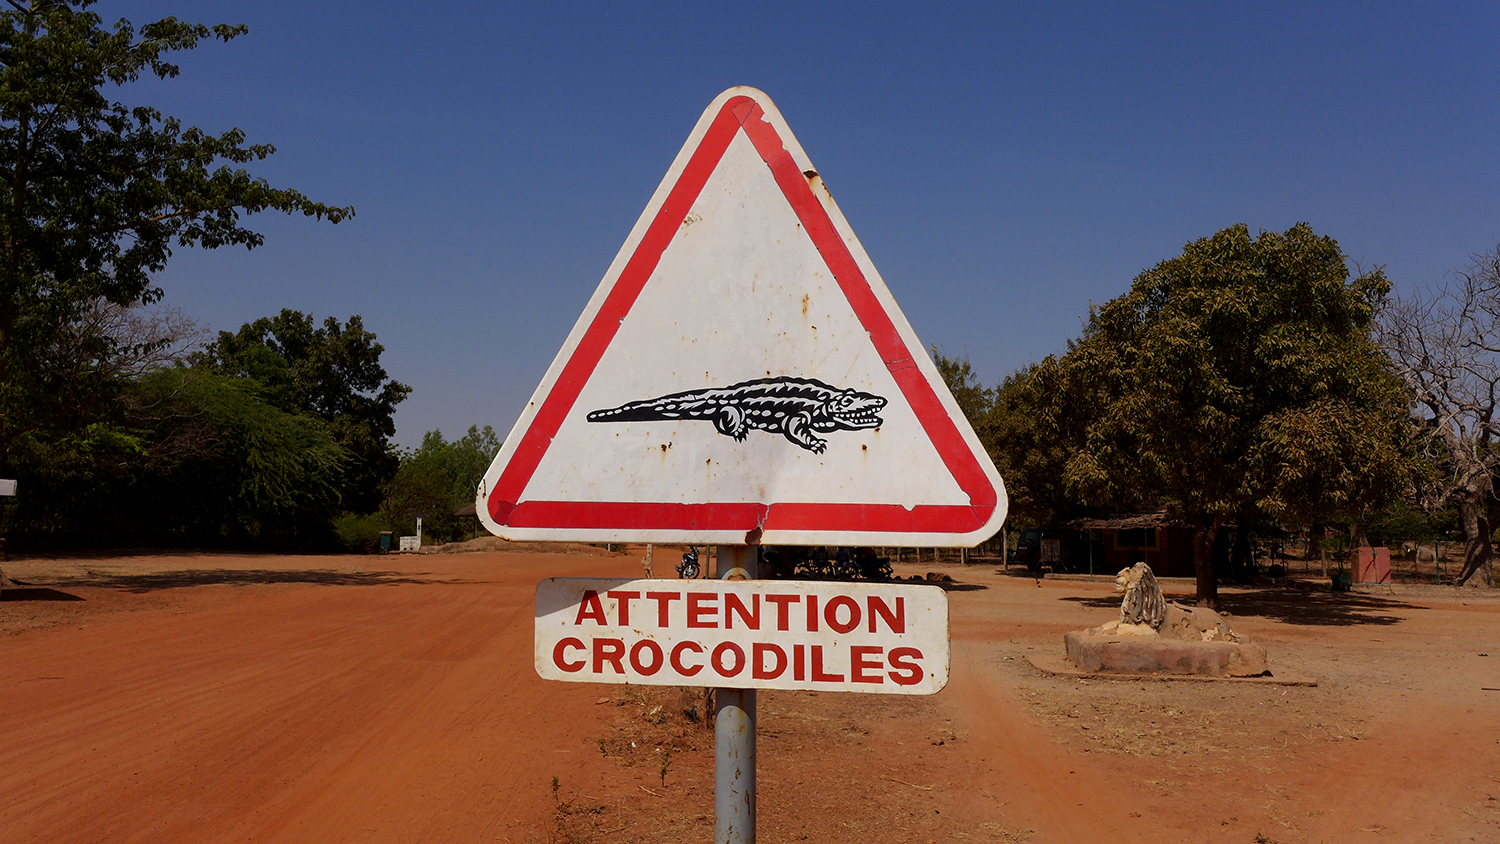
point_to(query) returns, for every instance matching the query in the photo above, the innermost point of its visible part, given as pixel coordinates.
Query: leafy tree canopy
(184, 455)
(437, 478)
(1028, 426)
(974, 399)
(1241, 378)
(1039, 421)
(94, 192)
(330, 370)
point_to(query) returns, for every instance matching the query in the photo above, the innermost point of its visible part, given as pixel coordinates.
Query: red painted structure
(1372, 565)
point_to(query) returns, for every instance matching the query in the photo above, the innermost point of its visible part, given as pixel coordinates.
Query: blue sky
(1003, 164)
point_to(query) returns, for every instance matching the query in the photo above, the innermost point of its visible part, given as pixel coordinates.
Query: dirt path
(295, 712)
(392, 699)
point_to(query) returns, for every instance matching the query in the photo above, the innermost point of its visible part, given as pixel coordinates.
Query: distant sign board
(768, 634)
(742, 375)
(7, 487)
(1051, 550)
(411, 543)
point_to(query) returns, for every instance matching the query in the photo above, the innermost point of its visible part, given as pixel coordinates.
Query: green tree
(255, 470)
(332, 371)
(1039, 422)
(1030, 425)
(974, 399)
(184, 455)
(1240, 379)
(95, 193)
(437, 478)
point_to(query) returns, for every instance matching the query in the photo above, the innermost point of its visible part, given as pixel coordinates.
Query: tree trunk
(1242, 554)
(1314, 545)
(1479, 554)
(1358, 537)
(1205, 530)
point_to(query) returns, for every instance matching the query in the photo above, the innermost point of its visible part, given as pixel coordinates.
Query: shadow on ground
(36, 593)
(958, 587)
(237, 577)
(945, 585)
(1290, 606)
(1019, 571)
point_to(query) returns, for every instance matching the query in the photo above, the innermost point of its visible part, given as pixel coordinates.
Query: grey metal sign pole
(734, 730)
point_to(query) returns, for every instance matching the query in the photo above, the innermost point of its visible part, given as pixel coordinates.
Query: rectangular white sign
(7, 487)
(876, 638)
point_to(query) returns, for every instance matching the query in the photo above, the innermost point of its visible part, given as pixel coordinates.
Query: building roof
(1125, 521)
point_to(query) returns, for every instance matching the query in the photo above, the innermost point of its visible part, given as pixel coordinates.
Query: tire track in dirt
(1061, 795)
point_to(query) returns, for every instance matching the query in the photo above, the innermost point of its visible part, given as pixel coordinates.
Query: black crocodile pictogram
(792, 407)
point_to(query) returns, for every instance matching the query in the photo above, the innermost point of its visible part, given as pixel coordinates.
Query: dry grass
(653, 723)
(575, 822)
(1198, 724)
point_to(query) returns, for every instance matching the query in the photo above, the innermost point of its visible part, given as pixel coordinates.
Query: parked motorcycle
(689, 569)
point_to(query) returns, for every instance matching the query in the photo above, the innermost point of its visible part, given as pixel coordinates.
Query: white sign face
(7, 487)
(742, 375)
(751, 634)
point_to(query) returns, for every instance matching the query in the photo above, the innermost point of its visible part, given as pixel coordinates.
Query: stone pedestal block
(1105, 653)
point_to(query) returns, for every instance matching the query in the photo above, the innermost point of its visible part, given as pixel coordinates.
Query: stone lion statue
(1146, 612)
(1143, 602)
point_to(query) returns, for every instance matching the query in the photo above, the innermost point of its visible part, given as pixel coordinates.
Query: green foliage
(1236, 382)
(1022, 424)
(1040, 419)
(1399, 522)
(95, 193)
(1243, 374)
(974, 399)
(332, 371)
(357, 532)
(1241, 379)
(189, 454)
(437, 478)
(284, 470)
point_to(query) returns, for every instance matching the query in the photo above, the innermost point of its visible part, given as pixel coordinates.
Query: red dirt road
(392, 699)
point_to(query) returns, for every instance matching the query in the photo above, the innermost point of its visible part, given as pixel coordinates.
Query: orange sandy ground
(392, 699)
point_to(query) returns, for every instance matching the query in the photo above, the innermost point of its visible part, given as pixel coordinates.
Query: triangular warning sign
(742, 375)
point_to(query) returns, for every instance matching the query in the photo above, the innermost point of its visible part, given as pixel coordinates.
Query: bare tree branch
(1445, 344)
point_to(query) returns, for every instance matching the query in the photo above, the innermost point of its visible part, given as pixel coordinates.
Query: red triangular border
(743, 113)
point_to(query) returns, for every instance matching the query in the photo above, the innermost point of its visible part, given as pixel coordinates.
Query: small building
(469, 511)
(1106, 545)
